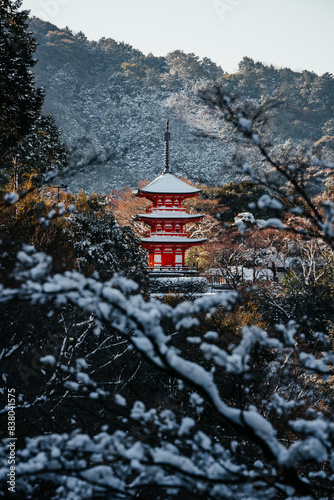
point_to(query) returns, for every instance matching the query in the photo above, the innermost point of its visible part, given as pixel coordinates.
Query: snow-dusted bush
(184, 285)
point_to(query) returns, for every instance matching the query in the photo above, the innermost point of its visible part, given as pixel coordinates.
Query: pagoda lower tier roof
(168, 184)
(168, 214)
(173, 239)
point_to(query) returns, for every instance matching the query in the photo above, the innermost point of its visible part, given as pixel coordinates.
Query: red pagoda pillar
(167, 240)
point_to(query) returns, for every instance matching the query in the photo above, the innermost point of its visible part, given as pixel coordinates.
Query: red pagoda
(167, 241)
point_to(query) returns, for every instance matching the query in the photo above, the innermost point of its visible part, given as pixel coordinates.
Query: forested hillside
(111, 101)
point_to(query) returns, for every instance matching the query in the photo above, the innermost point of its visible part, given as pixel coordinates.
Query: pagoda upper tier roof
(173, 239)
(168, 214)
(168, 184)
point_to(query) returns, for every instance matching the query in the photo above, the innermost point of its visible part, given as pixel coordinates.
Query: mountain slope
(111, 102)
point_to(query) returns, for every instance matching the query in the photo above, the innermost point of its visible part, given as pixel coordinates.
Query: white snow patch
(11, 198)
(48, 360)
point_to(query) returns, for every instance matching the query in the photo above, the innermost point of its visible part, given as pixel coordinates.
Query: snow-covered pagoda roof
(168, 184)
(168, 214)
(173, 239)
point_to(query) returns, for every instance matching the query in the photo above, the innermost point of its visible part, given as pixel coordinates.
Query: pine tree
(20, 104)
(101, 244)
(29, 142)
(41, 150)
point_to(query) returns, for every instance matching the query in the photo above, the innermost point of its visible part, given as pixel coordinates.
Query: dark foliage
(20, 103)
(29, 142)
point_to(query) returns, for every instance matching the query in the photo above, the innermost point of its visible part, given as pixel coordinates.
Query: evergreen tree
(29, 142)
(20, 103)
(41, 150)
(101, 244)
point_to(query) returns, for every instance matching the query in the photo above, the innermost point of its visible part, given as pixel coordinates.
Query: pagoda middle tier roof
(168, 214)
(173, 239)
(168, 184)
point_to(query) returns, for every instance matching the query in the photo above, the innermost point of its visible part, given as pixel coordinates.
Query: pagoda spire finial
(167, 137)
